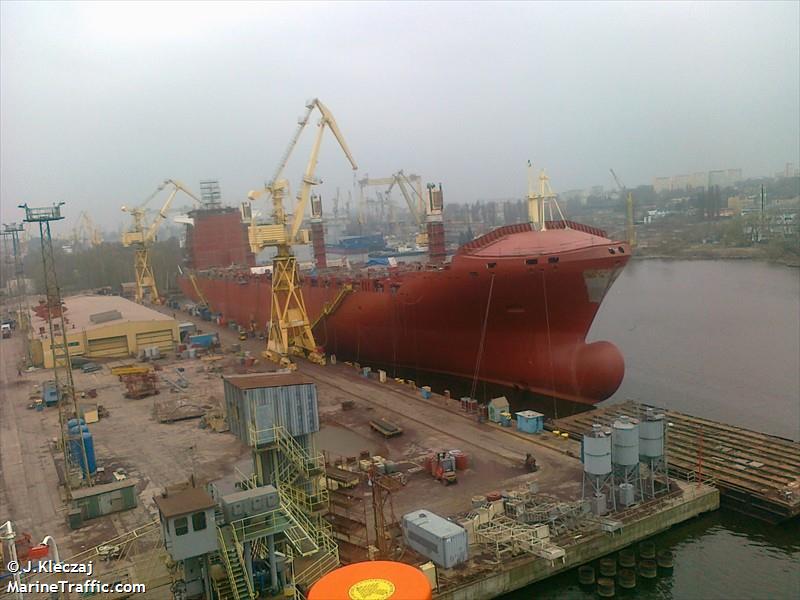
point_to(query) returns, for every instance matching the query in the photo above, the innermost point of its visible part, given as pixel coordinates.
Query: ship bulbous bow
(598, 370)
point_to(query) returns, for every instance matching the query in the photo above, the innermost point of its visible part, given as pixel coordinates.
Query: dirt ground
(159, 454)
(153, 453)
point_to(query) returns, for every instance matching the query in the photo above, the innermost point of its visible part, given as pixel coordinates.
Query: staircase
(329, 308)
(239, 586)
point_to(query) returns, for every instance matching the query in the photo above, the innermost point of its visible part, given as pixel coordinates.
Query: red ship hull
(512, 307)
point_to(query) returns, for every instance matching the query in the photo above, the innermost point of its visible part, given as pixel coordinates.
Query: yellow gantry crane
(630, 227)
(290, 328)
(142, 235)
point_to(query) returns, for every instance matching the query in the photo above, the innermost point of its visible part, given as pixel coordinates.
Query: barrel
(76, 451)
(586, 575)
(648, 569)
(462, 461)
(427, 463)
(372, 579)
(627, 558)
(647, 550)
(627, 578)
(605, 587)
(608, 567)
(478, 501)
(665, 559)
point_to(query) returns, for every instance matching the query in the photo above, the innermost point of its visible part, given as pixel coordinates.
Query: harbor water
(718, 339)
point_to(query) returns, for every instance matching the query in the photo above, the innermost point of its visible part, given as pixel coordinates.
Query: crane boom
(327, 120)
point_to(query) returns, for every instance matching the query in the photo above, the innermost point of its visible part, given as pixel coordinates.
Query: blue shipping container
(205, 340)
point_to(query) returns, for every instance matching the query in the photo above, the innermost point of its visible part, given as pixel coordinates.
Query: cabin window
(199, 521)
(552, 260)
(621, 250)
(491, 265)
(181, 526)
(532, 261)
(612, 251)
(473, 273)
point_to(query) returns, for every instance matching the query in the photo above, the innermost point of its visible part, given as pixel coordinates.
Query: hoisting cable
(483, 338)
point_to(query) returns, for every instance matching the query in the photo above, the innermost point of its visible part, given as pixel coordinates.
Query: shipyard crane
(290, 328)
(86, 232)
(142, 235)
(417, 209)
(631, 230)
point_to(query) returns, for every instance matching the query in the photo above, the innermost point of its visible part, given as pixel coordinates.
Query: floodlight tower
(13, 230)
(62, 368)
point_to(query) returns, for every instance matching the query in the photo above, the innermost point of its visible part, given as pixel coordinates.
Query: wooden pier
(756, 473)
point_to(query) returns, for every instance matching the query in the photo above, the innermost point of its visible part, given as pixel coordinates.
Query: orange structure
(373, 580)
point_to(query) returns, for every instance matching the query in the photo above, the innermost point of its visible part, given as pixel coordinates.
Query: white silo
(598, 472)
(652, 452)
(625, 457)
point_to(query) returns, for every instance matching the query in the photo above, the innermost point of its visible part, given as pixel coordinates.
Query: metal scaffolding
(12, 231)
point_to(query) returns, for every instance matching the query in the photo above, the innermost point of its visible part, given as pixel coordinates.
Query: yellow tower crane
(142, 235)
(290, 328)
(630, 227)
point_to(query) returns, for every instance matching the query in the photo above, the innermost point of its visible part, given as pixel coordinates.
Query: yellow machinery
(86, 233)
(401, 180)
(631, 229)
(290, 329)
(142, 235)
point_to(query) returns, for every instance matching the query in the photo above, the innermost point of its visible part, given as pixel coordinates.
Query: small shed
(187, 523)
(104, 499)
(530, 421)
(497, 406)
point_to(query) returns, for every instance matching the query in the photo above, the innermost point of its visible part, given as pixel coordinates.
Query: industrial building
(103, 327)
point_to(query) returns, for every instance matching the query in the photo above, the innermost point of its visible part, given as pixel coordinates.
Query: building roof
(80, 309)
(103, 488)
(499, 402)
(529, 414)
(266, 380)
(184, 502)
(433, 523)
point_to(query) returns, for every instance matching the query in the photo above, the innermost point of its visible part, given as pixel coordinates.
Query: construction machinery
(86, 234)
(443, 468)
(290, 328)
(142, 235)
(624, 191)
(416, 204)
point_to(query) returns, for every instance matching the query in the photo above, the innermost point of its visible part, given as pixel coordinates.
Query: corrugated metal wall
(293, 407)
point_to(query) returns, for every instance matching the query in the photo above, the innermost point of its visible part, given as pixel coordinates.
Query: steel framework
(62, 368)
(23, 316)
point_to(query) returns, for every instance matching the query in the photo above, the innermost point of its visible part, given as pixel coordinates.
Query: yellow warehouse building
(104, 327)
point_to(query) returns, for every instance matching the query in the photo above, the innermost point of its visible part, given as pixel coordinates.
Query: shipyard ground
(158, 454)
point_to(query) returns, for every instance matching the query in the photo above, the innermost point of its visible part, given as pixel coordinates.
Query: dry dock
(756, 473)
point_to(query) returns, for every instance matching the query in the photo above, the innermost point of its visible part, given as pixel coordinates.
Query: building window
(181, 526)
(198, 521)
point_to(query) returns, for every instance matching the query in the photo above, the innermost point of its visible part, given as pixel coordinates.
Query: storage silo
(625, 454)
(598, 475)
(652, 451)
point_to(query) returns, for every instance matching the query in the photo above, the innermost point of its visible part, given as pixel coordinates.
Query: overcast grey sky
(101, 102)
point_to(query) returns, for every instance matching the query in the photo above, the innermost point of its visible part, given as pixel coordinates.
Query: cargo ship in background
(512, 307)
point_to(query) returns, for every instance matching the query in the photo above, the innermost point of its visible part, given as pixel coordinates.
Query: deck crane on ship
(142, 235)
(290, 330)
